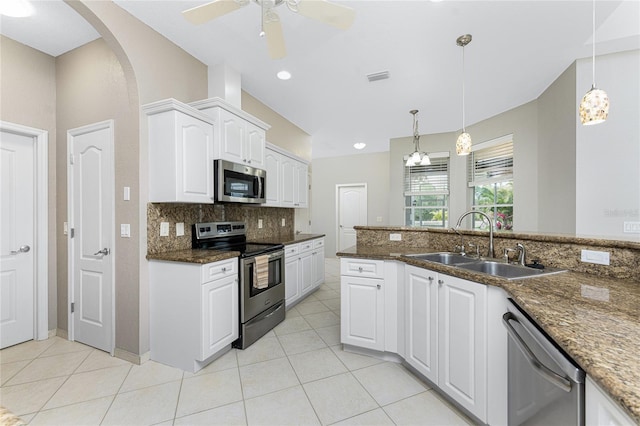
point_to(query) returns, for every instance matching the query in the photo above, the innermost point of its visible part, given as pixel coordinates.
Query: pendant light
(463, 144)
(594, 107)
(417, 158)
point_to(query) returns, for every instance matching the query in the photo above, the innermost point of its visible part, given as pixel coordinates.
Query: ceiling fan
(321, 10)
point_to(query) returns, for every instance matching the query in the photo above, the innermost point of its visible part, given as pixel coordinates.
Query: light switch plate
(164, 229)
(126, 193)
(259, 223)
(283, 222)
(594, 256)
(125, 230)
(395, 237)
(179, 229)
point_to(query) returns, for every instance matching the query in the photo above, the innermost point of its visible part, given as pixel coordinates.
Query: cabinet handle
(360, 269)
(430, 279)
(440, 282)
(224, 269)
(379, 286)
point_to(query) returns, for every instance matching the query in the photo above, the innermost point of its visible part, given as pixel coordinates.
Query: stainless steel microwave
(237, 183)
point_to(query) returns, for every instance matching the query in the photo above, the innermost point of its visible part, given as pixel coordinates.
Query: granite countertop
(194, 256)
(596, 320)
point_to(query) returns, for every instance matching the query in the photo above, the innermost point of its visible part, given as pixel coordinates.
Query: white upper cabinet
(181, 145)
(287, 179)
(240, 137)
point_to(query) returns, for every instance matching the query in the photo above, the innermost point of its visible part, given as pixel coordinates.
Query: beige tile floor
(295, 375)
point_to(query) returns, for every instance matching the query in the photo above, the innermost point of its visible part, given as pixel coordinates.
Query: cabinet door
(292, 288)
(318, 267)
(232, 136)
(194, 152)
(306, 271)
(219, 304)
(301, 185)
(462, 324)
(421, 326)
(255, 145)
(288, 175)
(362, 312)
(272, 162)
(601, 410)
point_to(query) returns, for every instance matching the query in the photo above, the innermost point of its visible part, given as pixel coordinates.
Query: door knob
(105, 251)
(23, 249)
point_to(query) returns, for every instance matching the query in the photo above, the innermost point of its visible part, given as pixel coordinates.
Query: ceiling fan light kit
(333, 14)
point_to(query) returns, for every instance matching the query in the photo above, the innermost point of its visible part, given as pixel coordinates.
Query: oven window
(275, 276)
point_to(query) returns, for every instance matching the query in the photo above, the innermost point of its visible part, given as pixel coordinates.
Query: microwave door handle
(543, 370)
(259, 194)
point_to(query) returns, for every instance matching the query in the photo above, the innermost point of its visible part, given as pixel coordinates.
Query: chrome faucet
(460, 248)
(490, 252)
(522, 254)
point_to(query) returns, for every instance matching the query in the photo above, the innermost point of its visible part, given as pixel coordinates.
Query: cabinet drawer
(362, 268)
(217, 270)
(291, 250)
(318, 243)
(306, 246)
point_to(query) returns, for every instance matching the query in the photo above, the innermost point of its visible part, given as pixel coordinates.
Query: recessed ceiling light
(359, 145)
(284, 75)
(16, 8)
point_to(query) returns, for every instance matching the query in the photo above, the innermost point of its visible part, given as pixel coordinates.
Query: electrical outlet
(379, 219)
(65, 227)
(593, 256)
(284, 222)
(632, 227)
(395, 237)
(179, 229)
(164, 229)
(259, 223)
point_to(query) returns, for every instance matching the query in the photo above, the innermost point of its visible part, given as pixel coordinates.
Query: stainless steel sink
(508, 271)
(444, 258)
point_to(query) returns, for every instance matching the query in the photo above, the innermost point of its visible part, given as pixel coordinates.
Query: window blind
(492, 164)
(427, 180)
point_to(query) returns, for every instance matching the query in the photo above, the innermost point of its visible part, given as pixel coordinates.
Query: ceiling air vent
(382, 75)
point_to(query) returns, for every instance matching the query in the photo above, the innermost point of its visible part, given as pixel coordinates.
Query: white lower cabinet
(369, 308)
(193, 311)
(600, 410)
(446, 335)
(304, 269)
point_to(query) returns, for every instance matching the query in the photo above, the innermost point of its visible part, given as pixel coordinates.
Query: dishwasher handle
(540, 368)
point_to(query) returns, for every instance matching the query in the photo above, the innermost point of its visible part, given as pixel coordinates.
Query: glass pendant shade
(463, 144)
(594, 107)
(425, 159)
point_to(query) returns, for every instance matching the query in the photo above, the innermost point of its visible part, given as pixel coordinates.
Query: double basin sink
(489, 267)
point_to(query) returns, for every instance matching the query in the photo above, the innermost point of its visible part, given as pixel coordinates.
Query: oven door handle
(274, 311)
(540, 368)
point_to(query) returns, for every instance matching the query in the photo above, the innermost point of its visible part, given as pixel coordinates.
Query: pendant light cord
(593, 51)
(463, 120)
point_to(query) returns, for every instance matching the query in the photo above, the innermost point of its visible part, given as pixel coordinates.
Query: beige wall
(28, 97)
(282, 133)
(557, 156)
(372, 169)
(91, 87)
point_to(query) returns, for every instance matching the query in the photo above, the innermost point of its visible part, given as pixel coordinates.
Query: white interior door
(91, 205)
(17, 283)
(352, 211)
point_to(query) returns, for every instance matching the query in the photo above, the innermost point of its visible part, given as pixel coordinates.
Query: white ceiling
(518, 49)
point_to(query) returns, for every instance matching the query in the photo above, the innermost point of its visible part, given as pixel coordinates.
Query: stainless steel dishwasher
(546, 387)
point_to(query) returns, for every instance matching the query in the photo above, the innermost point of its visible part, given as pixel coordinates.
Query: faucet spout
(490, 251)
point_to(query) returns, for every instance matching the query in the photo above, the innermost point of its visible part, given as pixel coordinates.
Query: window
(491, 179)
(426, 193)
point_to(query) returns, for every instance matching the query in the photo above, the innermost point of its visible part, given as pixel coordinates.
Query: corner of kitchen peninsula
(591, 311)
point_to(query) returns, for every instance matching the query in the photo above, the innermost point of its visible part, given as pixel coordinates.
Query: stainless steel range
(261, 277)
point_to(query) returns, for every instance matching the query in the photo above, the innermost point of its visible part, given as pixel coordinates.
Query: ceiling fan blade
(326, 12)
(275, 39)
(206, 12)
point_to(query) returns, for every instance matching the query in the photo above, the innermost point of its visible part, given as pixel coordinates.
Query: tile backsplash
(193, 213)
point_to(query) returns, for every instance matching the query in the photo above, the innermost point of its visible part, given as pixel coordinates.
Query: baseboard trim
(131, 357)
